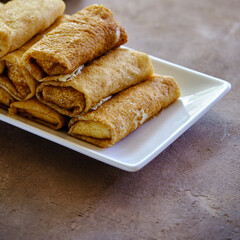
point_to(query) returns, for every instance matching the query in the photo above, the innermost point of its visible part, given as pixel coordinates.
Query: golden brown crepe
(15, 78)
(38, 112)
(126, 111)
(88, 34)
(5, 98)
(20, 20)
(109, 74)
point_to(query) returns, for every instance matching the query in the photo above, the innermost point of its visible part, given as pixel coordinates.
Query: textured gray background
(190, 191)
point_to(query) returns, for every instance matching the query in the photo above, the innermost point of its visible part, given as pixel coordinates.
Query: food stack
(71, 72)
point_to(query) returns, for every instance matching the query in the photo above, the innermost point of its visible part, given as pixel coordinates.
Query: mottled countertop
(190, 191)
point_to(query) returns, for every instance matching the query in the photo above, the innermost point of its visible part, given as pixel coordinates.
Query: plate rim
(96, 152)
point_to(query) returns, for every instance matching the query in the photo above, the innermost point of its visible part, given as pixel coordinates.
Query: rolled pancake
(86, 35)
(14, 77)
(20, 20)
(38, 112)
(109, 74)
(16, 80)
(5, 98)
(126, 111)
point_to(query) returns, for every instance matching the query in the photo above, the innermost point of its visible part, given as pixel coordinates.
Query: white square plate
(199, 92)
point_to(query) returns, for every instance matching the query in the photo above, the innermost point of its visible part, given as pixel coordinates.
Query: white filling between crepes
(70, 76)
(117, 34)
(142, 115)
(100, 103)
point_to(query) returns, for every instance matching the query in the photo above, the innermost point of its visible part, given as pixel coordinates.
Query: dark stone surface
(190, 191)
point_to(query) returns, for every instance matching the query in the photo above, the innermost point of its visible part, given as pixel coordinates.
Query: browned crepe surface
(109, 74)
(125, 112)
(38, 112)
(20, 20)
(5, 98)
(88, 34)
(17, 80)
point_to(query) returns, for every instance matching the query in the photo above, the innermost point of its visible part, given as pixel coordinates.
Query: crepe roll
(14, 76)
(38, 112)
(126, 111)
(20, 20)
(88, 34)
(109, 74)
(16, 80)
(5, 98)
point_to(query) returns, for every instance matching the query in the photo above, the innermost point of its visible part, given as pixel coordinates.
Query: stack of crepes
(74, 72)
